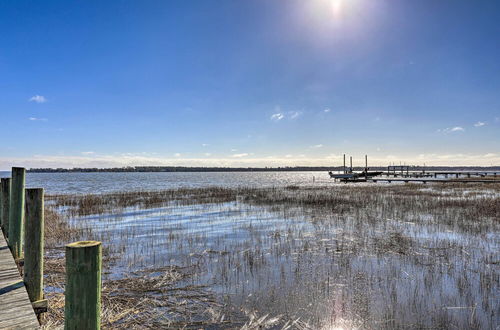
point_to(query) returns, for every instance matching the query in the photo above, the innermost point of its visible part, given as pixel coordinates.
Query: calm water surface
(109, 182)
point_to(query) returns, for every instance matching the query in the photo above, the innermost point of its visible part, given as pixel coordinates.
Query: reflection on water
(327, 270)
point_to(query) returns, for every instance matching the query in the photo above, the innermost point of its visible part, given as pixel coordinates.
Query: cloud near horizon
(243, 160)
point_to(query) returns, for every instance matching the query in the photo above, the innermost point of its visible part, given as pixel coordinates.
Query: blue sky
(249, 83)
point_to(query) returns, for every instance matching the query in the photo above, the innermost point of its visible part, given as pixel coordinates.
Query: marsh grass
(349, 256)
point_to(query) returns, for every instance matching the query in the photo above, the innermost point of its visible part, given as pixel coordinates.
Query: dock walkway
(16, 311)
(431, 180)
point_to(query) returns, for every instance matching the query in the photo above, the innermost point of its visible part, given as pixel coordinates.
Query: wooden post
(350, 168)
(344, 165)
(16, 212)
(83, 285)
(33, 244)
(366, 167)
(5, 196)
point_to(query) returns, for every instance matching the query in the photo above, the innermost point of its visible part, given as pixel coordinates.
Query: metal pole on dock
(16, 212)
(350, 168)
(83, 285)
(344, 165)
(5, 204)
(33, 244)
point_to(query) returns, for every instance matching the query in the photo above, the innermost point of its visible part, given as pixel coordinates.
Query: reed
(348, 256)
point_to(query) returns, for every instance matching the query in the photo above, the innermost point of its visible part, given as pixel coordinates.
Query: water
(61, 183)
(319, 267)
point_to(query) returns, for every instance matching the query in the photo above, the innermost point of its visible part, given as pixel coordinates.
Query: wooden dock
(431, 180)
(16, 311)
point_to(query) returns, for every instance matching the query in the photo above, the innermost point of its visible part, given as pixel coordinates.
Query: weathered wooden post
(16, 212)
(5, 193)
(83, 285)
(33, 244)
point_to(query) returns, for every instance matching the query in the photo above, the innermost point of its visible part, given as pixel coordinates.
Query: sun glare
(337, 6)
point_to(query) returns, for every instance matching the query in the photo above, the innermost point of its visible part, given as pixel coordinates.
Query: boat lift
(350, 176)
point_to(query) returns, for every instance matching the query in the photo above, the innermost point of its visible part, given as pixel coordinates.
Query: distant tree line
(250, 169)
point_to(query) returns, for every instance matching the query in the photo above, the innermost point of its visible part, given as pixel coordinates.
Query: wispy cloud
(291, 115)
(240, 155)
(88, 152)
(38, 99)
(317, 146)
(327, 110)
(277, 116)
(451, 129)
(177, 154)
(294, 114)
(207, 154)
(205, 144)
(37, 119)
(479, 124)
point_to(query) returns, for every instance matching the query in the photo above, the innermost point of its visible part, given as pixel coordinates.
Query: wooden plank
(17, 311)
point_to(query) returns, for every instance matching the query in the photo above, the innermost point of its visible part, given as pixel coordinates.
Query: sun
(337, 6)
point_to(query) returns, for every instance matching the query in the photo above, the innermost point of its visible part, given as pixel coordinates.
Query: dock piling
(33, 246)
(16, 212)
(5, 204)
(83, 285)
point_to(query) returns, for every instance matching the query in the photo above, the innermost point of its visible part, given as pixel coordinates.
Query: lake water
(110, 182)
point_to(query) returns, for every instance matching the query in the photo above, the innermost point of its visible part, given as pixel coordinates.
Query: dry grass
(81, 205)
(340, 199)
(353, 225)
(140, 300)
